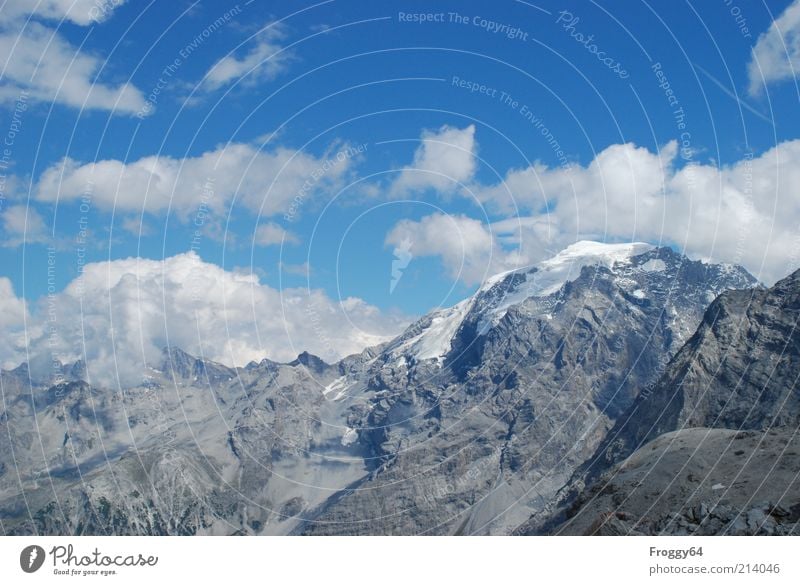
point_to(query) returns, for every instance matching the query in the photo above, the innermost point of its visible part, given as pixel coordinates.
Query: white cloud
(136, 226)
(468, 249)
(264, 61)
(125, 311)
(280, 181)
(272, 234)
(43, 64)
(23, 225)
(527, 240)
(13, 314)
(445, 158)
(303, 269)
(776, 55)
(745, 213)
(80, 12)
(616, 179)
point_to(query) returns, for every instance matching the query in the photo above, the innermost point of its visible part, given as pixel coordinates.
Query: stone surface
(470, 422)
(648, 493)
(738, 371)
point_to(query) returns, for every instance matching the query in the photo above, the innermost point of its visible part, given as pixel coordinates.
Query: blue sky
(488, 136)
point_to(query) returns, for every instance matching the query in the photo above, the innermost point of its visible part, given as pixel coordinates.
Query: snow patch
(626, 282)
(335, 386)
(550, 275)
(434, 341)
(654, 265)
(639, 293)
(340, 386)
(350, 436)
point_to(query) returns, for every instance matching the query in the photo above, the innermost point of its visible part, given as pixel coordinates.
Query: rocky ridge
(470, 422)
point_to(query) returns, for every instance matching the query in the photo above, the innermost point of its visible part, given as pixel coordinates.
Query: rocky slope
(197, 448)
(698, 481)
(469, 422)
(539, 366)
(739, 371)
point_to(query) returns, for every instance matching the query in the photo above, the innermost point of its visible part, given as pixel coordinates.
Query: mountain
(698, 481)
(738, 372)
(197, 448)
(491, 405)
(471, 421)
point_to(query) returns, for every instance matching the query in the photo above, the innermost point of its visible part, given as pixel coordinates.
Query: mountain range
(537, 405)
(714, 447)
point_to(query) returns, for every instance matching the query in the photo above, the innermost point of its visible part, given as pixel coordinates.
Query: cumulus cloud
(445, 158)
(273, 182)
(264, 61)
(135, 225)
(303, 269)
(615, 180)
(22, 225)
(745, 213)
(48, 68)
(776, 55)
(13, 316)
(80, 12)
(527, 239)
(123, 313)
(468, 249)
(272, 234)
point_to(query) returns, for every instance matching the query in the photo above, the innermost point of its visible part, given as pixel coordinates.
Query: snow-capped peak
(547, 277)
(552, 274)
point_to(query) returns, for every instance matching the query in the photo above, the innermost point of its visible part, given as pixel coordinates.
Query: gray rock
(769, 474)
(739, 371)
(475, 438)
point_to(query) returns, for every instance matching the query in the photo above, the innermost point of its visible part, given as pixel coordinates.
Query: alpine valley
(611, 389)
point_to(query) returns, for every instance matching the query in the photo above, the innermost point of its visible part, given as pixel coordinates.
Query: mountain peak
(554, 272)
(788, 285)
(177, 361)
(637, 269)
(310, 361)
(601, 251)
(588, 251)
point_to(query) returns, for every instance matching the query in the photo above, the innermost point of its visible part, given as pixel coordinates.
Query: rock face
(470, 422)
(539, 366)
(739, 371)
(698, 481)
(198, 448)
